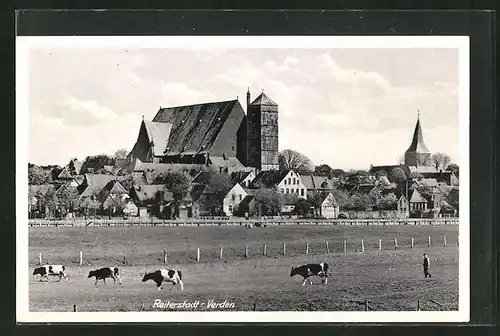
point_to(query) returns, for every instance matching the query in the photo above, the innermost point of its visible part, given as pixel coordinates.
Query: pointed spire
(143, 117)
(417, 144)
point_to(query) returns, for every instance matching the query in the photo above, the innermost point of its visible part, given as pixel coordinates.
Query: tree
(454, 168)
(67, 199)
(268, 201)
(290, 159)
(178, 183)
(36, 175)
(303, 207)
(453, 199)
(440, 160)
(121, 153)
(380, 173)
(341, 197)
(90, 206)
(397, 175)
(339, 173)
(387, 202)
(416, 176)
(359, 202)
(219, 185)
(96, 164)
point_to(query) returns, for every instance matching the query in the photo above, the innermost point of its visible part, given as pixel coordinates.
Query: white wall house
(233, 198)
(329, 208)
(292, 184)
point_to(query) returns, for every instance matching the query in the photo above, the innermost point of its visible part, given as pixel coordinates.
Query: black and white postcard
(242, 179)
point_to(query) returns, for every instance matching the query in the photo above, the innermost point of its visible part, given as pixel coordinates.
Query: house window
(230, 208)
(285, 181)
(289, 181)
(293, 180)
(297, 191)
(282, 190)
(301, 192)
(241, 197)
(286, 190)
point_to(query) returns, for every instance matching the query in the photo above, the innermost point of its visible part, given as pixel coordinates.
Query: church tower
(262, 133)
(418, 154)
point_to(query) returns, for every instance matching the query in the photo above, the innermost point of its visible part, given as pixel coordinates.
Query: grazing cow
(164, 275)
(105, 272)
(308, 270)
(52, 270)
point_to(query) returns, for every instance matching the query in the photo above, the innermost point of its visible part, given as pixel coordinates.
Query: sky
(348, 108)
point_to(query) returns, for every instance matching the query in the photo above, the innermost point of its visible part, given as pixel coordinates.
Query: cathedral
(215, 136)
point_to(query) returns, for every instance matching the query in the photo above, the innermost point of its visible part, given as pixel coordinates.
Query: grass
(391, 279)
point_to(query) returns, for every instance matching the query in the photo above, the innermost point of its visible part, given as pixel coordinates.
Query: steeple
(248, 98)
(417, 154)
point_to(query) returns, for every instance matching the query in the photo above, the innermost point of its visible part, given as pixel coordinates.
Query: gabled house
(95, 183)
(113, 197)
(286, 182)
(417, 202)
(403, 207)
(243, 178)
(327, 206)
(233, 199)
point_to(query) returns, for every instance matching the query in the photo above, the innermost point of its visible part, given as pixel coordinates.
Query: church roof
(262, 99)
(417, 144)
(195, 128)
(268, 179)
(158, 133)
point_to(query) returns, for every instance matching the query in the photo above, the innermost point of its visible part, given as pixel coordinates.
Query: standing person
(427, 263)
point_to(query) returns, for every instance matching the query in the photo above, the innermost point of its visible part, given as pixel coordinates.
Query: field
(391, 279)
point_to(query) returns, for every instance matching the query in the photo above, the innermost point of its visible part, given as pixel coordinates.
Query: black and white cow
(164, 275)
(52, 270)
(308, 270)
(105, 272)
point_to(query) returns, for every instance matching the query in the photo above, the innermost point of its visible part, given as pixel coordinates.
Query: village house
(233, 199)
(315, 183)
(113, 197)
(327, 206)
(286, 182)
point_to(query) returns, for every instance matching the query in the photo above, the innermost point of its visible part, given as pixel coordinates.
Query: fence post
(81, 258)
(362, 245)
(40, 258)
(395, 243)
(74, 308)
(380, 244)
(254, 306)
(246, 251)
(142, 306)
(307, 248)
(444, 241)
(418, 305)
(220, 252)
(125, 257)
(165, 256)
(327, 248)
(411, 242)
(198, 254)
(264, 250)
(345, 246)
(366, 305)
(429, 241)
(284, 248)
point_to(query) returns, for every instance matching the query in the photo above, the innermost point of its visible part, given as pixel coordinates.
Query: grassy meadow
(391, 279)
